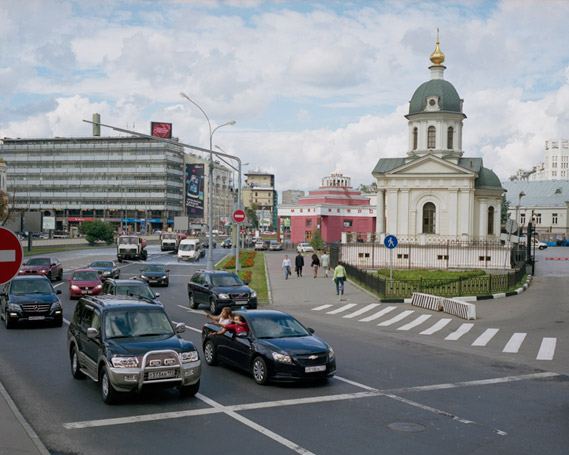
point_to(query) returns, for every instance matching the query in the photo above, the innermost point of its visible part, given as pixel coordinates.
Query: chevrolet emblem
(313, 357)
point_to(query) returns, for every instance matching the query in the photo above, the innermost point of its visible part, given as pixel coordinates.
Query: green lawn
(257, 278)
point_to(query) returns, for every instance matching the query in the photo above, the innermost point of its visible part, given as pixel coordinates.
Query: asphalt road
(394, 392)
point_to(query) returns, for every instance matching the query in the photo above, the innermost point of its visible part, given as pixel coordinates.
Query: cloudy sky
(314, 86)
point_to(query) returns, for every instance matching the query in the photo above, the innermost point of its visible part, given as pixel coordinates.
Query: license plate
(315, 369)
(86, 292)
(161, 374)
(241, 302)
(36, 318)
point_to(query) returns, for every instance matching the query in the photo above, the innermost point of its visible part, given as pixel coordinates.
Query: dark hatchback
(276, 347)
(137, 288)
(30, 298)
(106, 269)
(155, 274)
(219, 289)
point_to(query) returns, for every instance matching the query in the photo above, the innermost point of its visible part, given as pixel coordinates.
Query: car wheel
(120, 260)
(108, 394)
(75, 367)
(58, 322)
(60, 277)
(260, 372)
(8, 320)
(209, 353)
(50, 276)
(166, 283)
(189, 390)
(253, 306)
(193, 303)
(213, 307)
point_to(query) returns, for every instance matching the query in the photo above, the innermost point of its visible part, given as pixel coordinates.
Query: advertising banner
(194, 190)
(161, 129)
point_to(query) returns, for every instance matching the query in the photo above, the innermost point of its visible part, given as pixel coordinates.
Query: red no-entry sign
(239, 216)
(11, 255)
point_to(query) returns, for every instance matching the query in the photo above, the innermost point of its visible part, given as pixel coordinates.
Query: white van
(190, 250)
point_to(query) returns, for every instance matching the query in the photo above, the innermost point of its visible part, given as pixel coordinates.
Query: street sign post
(239, 216)
(390, 242)
(11, 255)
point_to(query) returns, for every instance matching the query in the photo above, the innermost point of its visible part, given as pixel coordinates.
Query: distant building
(555, 164)
(3, 178)
(292, 196)
(259, 191)
(333, 208)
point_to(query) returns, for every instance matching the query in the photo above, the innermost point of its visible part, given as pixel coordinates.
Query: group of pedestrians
(317, 262)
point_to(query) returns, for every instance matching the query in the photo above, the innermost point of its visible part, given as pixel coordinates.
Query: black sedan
(276, 347)
(30, 298)
(155, 274)
(106, 269)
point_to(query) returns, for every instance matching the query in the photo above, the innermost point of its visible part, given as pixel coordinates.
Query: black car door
(89, 347)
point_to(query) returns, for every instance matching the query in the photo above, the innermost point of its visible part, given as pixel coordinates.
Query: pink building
(333, 208)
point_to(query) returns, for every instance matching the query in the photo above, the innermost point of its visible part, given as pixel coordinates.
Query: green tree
(97, 230)
(371, 188)
(251, 213)
(317, 242)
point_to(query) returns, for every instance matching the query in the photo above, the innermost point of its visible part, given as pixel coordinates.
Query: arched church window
(450, 137)
(415, 138)
(429, 212)
(490, 220)
(431, 139)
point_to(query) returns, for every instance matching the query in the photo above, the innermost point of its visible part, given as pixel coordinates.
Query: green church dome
(449, 101)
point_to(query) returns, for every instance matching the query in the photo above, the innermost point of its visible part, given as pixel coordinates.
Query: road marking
(485, 338)
(515, 342)
(547, 349)
(7, 255)
(342, 309)
(191, 310)
(395, 319)
(436, 327)
(464, 328)
(378, 314)
(363, 310)
(321, 307)
(415, 323)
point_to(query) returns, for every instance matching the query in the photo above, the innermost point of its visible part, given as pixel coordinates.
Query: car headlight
(98, 287)
(43, 271)
(56, 305)
(106, 273)
(164, 277)
(75, 288)
(331, 354)
(282, 358)
(13, 307)
(191, 356)
(144, 277)
(223, 296)
(253, 294)
(124, 362)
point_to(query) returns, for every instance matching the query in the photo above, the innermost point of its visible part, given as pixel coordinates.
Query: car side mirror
(53, 264)
(246, 283)
(157, 294)
(180, 327)
(206, 285)
(168, 270)
(92, 332)
(68, 279)
(58, 292)
(311, 330)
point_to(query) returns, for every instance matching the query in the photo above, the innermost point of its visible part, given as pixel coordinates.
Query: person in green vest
(339, 278)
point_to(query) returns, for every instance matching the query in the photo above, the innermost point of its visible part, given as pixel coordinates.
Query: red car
(49, 267)
(84, 282)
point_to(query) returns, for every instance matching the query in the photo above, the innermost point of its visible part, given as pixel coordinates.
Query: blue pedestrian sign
(390, 241)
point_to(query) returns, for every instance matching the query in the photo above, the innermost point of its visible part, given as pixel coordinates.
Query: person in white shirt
(325, 262)
(286, 266)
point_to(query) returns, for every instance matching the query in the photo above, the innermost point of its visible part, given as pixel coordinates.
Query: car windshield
(39, 261)
(132, 289)
(278, 327)
(102, 264)
(226, 280)
(188, 246)
(154, 268)
(85, 276)
(128, 240)
(169, 236)
(31, 287)
(137, 322)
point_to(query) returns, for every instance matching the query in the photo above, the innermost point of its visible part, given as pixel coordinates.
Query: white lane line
(321, 307)
(415, 323)
(485, 338)
(547, 349)
(363, 310)
(395, 319)
(436, 327)
(378, 314)
(464, 328)
(514, 344)
(264, 431)
(342, 309)
(190, 310)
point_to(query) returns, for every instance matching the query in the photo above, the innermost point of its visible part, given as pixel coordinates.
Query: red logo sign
(239, 216)
(11, 255)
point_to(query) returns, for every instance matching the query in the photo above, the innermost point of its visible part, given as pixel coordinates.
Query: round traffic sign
(11, 255)
(390, 241)
(239, 216)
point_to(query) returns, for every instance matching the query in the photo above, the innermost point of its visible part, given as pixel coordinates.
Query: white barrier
(463, 310)
(430, 302)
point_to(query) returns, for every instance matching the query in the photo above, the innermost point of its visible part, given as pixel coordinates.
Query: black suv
(125, 344)
(137, 288)
(219, 289)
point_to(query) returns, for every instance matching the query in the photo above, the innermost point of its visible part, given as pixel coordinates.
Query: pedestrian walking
(299, 263)
(315, 264)
(339, 278)
(286, 266)
(325, 262)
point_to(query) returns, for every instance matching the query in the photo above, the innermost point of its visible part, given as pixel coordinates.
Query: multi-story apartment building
(259, 191)
(292, 196)
(555, 164)
(129, 181)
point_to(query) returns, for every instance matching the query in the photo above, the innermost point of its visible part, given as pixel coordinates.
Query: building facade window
(554, 218)
(450, 137)
(523, 219)
(537, 218)
(431, 137)
(348, 223)
(429, 213)
(415, 138)
(490, 220)
(308, 223)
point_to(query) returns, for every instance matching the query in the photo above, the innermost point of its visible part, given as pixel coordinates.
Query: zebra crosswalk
(406, 320)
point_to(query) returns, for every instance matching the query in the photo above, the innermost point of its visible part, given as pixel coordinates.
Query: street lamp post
(520, 196)
(210, 265)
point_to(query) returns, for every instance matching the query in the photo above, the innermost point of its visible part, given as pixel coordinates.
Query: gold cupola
(437, 57)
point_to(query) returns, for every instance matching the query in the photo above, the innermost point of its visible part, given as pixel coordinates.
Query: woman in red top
(239, 326)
